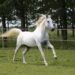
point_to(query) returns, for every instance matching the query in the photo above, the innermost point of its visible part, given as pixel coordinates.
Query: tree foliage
(23, 8)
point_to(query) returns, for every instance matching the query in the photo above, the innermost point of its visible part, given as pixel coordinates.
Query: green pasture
(64, 65)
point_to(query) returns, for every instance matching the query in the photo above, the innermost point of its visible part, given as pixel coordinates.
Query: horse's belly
(30, 43)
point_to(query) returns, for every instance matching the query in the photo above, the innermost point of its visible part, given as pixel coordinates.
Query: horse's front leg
(42, 53)
(52, 48)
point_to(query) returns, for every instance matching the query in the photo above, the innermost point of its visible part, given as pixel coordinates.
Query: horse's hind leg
(24, 53)
(16, 50)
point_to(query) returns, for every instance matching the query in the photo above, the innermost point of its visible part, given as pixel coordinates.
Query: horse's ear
(40, 15)
(48, 16)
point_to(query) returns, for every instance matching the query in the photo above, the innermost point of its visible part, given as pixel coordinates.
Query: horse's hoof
(24, 62)
(55, 57)
(46, 64)
(13, 61)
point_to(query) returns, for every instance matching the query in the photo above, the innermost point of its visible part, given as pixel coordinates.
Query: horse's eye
(48, 21)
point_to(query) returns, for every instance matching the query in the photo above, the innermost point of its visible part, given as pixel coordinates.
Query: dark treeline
(62, 12)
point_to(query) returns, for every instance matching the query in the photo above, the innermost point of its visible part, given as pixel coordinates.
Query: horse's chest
(42, 38)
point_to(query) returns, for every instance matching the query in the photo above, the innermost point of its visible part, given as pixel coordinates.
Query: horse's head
(49, 23)
(45, 21)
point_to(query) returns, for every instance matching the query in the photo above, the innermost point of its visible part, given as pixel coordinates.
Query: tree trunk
(4, 30)
(26, 22)
(72, 29)
(64, 21)
(73, 21)
(23, 21)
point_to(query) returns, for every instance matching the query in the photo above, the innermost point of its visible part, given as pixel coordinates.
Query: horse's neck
(40, 30)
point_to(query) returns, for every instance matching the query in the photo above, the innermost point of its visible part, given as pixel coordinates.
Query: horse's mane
(40, 20)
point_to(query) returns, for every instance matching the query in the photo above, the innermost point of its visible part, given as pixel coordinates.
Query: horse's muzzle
(52, 29)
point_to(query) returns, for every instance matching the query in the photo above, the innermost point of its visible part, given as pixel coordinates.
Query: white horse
(35, 38)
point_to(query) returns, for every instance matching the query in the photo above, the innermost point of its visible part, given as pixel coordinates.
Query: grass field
(64, 65)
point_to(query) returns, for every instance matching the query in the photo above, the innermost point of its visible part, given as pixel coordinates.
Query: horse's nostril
(52, 29)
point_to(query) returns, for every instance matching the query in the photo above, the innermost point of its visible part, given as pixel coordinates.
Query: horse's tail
(11, 33)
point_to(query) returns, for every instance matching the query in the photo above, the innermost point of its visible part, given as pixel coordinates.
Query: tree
(64, 20)
(5, 10)
(21, 7)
